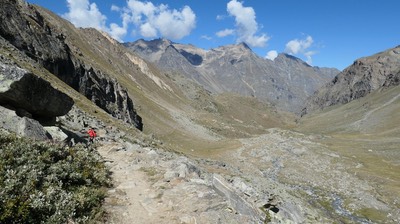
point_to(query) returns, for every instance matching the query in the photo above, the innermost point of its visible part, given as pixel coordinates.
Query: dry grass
(365, 131)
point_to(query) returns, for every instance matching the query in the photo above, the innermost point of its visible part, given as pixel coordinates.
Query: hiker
(92, 135)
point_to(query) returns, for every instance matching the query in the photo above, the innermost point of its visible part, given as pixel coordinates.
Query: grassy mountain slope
(366, 131)
(375, 115)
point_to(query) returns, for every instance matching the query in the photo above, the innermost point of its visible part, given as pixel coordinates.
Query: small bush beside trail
(46, 183)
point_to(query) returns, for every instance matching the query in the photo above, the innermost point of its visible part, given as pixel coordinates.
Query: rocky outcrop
(109, 95)
(365, 75)
(29, 102)
(35, 32)
(22, 126)
(285, 82)
(238, 203)
(24, 91)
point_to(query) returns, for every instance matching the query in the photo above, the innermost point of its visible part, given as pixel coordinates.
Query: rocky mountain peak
(235, 49)
(243, 45)
(365, 75)
(154, 45)
(290, 58)
(286, 82)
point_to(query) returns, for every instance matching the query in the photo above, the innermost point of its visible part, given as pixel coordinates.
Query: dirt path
(154, 186)
(125, 201)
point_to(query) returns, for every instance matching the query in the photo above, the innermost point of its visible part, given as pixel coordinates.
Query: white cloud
(117, 31)
(147, 30)
(206, 37)
(175, 24)
(308, 55)
(83, 14)
(148, 19)
(115, 8)
(297, 46)
(153, 20)
(246, 24)
(225, 32)
(271, 55)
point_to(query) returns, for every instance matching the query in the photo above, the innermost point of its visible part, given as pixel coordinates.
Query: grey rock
(170, 175)
(22, 126)
(56, 133)
(21, 89)
(183, 170)
(237, 202)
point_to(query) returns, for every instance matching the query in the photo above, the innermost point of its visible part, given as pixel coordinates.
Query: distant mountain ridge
(285, 82)
(359, 79)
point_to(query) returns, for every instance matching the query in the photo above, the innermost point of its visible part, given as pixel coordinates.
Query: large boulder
(22, 126)
(20, 89)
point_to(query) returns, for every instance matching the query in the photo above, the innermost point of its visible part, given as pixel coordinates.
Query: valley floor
(295, 178)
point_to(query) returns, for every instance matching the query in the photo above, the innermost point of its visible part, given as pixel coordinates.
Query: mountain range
(285, 82)
(279, 139)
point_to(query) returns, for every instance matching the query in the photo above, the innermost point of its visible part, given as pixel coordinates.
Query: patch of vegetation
(151, 171)
(46, 183)
(372, 214)
(268, 218)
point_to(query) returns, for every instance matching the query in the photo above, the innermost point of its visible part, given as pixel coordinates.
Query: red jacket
(91, 133)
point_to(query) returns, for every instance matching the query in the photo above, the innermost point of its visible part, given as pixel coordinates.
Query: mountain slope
(285, 82)
(373, 114)
(364, 76)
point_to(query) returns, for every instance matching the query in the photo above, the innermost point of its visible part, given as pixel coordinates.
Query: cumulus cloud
(148, 30)
(146, 18)
(246, 24)
(115, 8)
(297, 46)
(83, 14)
(117, 31)
(271, 55)
(154, 20)
(225, 32)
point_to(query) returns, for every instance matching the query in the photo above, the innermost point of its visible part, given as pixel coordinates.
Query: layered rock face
(25, 27)
(285, 82)
(361, 78)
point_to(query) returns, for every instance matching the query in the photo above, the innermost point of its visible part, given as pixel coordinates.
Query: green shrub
(45, 183)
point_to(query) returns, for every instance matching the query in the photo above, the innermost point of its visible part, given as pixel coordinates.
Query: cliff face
(285, 82)
(52, 44)
(362, 77)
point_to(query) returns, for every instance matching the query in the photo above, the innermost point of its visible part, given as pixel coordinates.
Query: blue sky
(323, 33)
